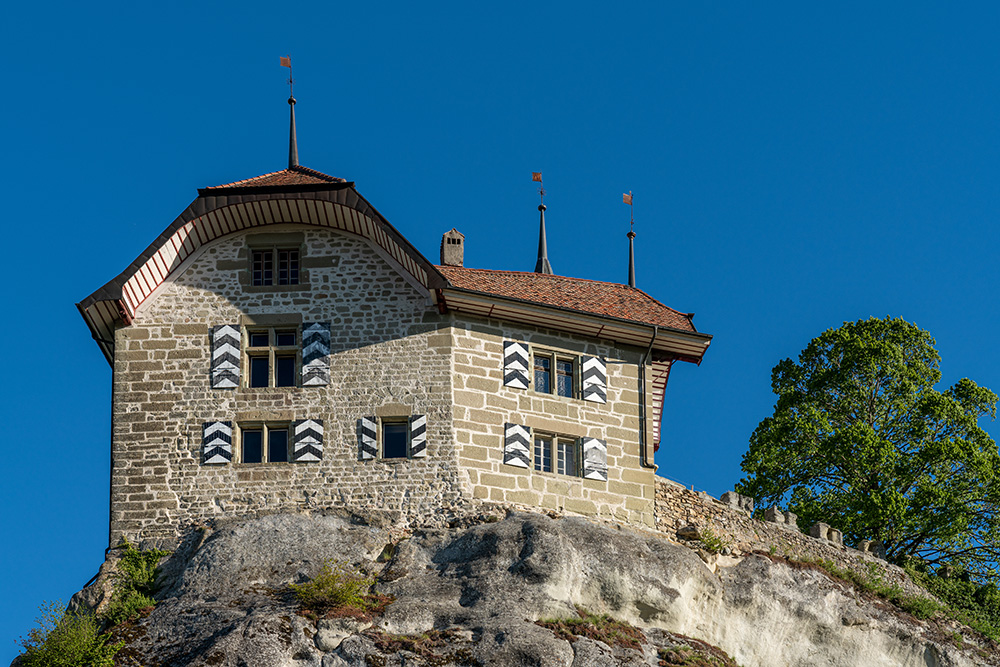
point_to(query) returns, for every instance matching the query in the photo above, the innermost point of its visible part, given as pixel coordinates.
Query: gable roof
(294, 195)
(587, 296)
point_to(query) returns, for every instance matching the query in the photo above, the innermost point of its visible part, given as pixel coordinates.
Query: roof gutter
(643, 444)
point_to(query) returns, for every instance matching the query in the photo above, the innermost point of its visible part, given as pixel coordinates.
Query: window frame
(555, 457)
(382, 423)
(265, 428)
(272, 352)
(554, 357)
(274, 251)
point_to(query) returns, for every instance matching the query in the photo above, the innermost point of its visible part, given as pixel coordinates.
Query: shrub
(134, 584)
(67, 640)
(713, 543)
(337, 586)
(978, 606)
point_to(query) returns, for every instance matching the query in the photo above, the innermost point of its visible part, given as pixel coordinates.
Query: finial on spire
(293, 146)
(627, 199)
(542, 265)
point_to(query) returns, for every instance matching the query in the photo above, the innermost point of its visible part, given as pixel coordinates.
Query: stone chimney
(452, 248)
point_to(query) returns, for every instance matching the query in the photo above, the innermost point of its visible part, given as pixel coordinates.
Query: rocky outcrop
(472, 596)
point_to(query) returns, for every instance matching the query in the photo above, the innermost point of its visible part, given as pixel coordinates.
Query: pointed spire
(631, 259)
(542, 265)
(627, 199)
(293, 145)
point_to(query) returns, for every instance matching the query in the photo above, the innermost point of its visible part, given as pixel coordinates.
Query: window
(395, 436)
(272, 357)
(274, 266)
(555, 374)
(264, 443)
(556, 454)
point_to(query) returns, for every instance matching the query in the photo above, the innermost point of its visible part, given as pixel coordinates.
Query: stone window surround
(274, 241)
(569, 431)
(272, 351)
(555, 354)
(556, 439)
(392, 413)
(250, 322)
(266, 425)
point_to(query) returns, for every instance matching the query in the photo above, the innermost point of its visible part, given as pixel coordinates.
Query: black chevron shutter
(225, 364)
(217, 442)
(307, 440)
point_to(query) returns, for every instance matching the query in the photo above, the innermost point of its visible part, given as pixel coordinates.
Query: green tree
(861, 440)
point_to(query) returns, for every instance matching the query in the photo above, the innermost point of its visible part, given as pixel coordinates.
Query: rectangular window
(262, 266)
(564, 367)
(566, 458)
(253, 446)
(557, 454)
(543, 374)
(264, 443)
(543, 454)
(288, 267)
(564, 377)
(394, 439)
(272, 357)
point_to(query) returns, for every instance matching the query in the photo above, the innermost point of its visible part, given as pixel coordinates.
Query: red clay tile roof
(588, 296)
(291, 176)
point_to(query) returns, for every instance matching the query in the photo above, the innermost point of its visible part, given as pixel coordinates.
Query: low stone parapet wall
(731, 520)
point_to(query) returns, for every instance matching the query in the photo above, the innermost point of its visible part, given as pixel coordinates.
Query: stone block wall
(390, 353)
(482, 405)
(678, 507)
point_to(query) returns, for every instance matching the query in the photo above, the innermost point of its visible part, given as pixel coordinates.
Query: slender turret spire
(542, 265)
(293, 146)
(631, 240)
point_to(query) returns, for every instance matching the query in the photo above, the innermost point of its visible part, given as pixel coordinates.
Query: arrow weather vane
(537, 176)
(286, 61)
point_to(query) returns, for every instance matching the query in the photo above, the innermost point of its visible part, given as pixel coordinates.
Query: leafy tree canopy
(860, 439)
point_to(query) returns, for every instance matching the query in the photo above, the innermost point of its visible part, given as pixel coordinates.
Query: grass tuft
(599, 627)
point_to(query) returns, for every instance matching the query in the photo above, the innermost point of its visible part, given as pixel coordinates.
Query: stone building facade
(280, 345)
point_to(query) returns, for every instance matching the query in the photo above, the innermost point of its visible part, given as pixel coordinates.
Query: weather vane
(286, 61)
(627, 199)
(537, 176)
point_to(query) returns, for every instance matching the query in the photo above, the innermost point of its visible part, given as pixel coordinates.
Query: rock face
(481, 588)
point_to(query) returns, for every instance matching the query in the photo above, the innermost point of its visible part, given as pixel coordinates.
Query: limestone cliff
(483, 584)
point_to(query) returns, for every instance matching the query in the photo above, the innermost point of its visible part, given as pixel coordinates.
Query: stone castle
(281, 345)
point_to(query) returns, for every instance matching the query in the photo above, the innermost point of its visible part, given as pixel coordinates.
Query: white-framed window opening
(558, 454)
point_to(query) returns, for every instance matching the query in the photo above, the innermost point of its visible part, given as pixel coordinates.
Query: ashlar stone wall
(483, 405)
(390, 356)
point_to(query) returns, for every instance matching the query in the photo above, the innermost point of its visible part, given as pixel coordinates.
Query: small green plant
(713, 543)
(134, 583)
(67, 639)
(338, 590)
(599, 627)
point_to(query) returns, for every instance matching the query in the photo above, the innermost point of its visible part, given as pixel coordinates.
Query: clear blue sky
(793, 168)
